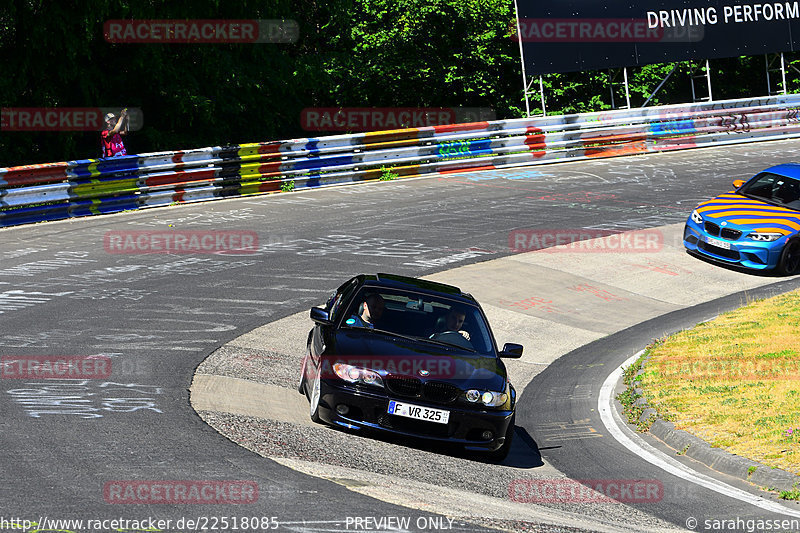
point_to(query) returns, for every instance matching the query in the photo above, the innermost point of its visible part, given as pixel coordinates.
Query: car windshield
(774, 189)
(431, 319)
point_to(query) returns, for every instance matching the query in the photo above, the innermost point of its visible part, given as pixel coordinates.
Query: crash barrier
(53, 191)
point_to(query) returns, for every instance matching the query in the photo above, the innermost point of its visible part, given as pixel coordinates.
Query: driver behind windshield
(371, 311)
(786, 192)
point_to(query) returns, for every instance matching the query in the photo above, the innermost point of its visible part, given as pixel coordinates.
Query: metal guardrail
(52, 191)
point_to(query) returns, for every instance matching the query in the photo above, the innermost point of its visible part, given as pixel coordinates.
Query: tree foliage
(360, 53)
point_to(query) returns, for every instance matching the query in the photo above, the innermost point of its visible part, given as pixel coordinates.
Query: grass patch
(793, 494)
(388, 174)
(735, 381)
(629, 396)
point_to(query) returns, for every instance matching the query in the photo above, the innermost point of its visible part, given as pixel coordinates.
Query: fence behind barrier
(54, 191)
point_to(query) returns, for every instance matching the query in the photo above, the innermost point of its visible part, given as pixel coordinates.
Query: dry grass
(735, 381)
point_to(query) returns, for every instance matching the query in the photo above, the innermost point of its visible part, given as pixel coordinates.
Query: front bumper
(743, 251)
(367, 409)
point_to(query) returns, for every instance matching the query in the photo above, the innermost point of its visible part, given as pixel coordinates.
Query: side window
(332, 300)
(479, 331)
(342, 295)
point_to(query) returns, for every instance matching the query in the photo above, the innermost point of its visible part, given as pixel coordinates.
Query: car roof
(791, 170)
(419, 285)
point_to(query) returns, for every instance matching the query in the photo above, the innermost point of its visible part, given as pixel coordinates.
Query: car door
(337, 303)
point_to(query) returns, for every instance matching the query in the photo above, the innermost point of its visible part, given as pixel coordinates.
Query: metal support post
(627, 89)
(541, 95)
(783, 74)
(770, 69)
(612, 75)
(522, 60)
(707, 76)
(611, 87)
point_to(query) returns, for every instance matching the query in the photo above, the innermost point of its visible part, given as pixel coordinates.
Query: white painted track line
(617, 428)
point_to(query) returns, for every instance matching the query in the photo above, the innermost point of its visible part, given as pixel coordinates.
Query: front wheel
(301, 387)
(789, 263)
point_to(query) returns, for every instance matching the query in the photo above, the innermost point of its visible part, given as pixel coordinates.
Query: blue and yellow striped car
(756, 226)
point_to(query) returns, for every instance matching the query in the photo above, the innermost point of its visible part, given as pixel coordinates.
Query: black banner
(573, 35)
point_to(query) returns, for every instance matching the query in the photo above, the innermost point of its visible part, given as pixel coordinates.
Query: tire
(313, 399)
(301, 387)
(789, 263)
(501, 453)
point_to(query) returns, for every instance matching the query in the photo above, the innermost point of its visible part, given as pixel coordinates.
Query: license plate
(418, 412)
(718, 243)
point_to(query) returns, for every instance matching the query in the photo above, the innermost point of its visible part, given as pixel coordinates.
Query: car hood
(389, 354)
(747, 214)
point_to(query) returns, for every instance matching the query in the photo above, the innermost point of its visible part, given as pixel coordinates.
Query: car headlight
(354, 374)
(696, 218)
(487, 398)
(764, 237)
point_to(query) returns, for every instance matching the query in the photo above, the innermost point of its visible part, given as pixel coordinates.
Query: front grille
(730, 234)
(439, 392)
(712, 229)
(721, 252)
(403, 386)
(432, 391)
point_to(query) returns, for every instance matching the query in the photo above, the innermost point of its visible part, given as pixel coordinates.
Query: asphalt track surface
(157, 316)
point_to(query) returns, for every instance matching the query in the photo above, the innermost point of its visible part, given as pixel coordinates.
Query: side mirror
(738, 183)
(511, 351)
(320, 316)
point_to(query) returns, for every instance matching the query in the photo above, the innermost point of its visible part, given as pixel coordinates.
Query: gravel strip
(437, 466)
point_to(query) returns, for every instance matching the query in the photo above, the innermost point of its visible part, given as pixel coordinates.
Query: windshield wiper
(383, 331)
(448, 344)
(753, 196)
(395, 334)
(413, 338)
(770, 201)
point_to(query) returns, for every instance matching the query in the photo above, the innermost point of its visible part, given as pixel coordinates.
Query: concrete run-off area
(552, 301)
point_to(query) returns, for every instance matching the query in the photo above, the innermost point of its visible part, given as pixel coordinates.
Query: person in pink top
(111, 137)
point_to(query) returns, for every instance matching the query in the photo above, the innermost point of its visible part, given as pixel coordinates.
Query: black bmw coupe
(410, 357)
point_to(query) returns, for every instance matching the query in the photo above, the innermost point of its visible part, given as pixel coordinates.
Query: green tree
(360, 53)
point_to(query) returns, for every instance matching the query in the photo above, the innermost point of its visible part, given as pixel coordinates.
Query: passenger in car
(453, 321)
